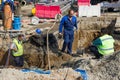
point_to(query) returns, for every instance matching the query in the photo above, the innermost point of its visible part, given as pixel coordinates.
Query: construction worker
(10, 2)
(69, 22)
(17, 51)
(103, 45)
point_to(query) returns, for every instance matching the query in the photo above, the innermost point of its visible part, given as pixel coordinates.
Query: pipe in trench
(23, 3)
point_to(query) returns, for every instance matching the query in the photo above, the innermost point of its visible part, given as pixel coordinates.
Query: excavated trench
(35, 49)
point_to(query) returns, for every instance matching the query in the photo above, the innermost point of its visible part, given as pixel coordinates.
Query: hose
(23, 3)
(58, 17)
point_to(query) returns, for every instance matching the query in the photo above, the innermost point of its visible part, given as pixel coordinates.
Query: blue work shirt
(68, 24)
(97, 42)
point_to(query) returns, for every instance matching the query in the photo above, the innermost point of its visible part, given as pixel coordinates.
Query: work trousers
(68, 40)
(19, 61)
(94, 49)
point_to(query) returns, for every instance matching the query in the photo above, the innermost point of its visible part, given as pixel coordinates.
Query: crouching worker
(103, 46)
(17, 51)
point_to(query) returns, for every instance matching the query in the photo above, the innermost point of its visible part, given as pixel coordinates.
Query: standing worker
(17, 51)
(103, 45)
(69, 22)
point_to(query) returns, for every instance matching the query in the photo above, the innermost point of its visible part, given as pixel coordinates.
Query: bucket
(16, 26)
(17, 23)
(17, 20)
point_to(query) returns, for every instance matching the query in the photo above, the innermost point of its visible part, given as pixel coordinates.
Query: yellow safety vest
(107, 46)
(19, 48)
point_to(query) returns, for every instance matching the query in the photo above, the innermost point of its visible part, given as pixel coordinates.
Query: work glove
(75, 29)
(60, 35)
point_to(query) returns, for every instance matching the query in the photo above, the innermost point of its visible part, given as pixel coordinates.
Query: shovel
(8, 58)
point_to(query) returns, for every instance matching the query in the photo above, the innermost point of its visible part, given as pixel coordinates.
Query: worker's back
(107, 46)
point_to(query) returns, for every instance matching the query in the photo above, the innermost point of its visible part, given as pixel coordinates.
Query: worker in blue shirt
(69, 23)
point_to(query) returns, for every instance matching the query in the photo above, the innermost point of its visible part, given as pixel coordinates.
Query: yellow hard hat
(33, 11)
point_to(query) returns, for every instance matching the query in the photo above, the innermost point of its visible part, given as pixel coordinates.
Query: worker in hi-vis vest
(17, 51)
(103, 45)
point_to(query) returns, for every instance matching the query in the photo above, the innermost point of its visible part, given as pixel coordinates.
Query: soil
(60, 74)
(36, 54)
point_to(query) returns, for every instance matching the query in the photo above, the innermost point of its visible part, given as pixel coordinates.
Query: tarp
(83, 73)
(39, 71)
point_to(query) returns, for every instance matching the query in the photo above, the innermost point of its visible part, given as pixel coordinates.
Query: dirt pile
(96, 23)
(107, 68)
(61, 74)
(36, 52)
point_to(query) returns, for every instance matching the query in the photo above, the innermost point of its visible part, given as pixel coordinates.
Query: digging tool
(9, 52)
(8, 57)
(60, 36)
(48, 44)
(48, 53)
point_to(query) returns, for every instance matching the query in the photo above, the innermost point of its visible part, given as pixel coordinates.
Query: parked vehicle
(113, 6)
